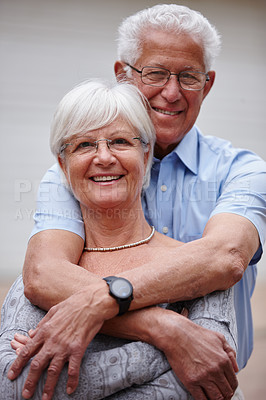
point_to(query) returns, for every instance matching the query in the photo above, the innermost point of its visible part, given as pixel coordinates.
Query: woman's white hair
(168, 18)
(93, 105)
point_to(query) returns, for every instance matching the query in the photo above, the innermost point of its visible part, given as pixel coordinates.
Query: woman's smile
(110, 173)
(106, 178)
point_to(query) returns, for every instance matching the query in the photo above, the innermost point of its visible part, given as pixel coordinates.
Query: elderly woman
(103, 139)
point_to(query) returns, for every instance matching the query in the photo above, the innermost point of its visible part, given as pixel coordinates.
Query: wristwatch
(122, 290)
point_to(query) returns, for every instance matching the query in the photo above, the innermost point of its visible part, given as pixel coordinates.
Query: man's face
(173, 109)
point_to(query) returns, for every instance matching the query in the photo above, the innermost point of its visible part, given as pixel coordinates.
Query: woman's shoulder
(163, 240)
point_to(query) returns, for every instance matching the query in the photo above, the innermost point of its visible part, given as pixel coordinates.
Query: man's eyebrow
(190, 67)
(184, 68)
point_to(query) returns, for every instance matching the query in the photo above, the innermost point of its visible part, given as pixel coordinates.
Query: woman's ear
(119, 71)
(62, 163)
(146, 155)
(63, 166)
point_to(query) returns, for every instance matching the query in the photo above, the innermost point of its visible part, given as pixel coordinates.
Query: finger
(53, 373)
(37, 366)
(73, 373)
(26, 353)
(231, 378)
(224, 384)
(220, 392)
(197, 393)
(32, 333)
(21, 338)
(16, 345)
(184, 312)
(232, 358)
(18, 342)
(231, 354)
(24, 356)
(228, 349)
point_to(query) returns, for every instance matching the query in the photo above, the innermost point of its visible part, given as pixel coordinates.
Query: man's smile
(166, 112)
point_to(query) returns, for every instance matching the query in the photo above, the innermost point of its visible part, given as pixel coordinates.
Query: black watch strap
(122, 301)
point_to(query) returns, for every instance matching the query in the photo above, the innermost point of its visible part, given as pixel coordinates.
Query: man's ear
(119, 71)
(209, 84)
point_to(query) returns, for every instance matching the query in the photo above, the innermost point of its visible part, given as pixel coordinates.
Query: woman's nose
(103, 154)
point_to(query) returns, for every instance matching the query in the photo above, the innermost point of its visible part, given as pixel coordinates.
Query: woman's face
(110, 173)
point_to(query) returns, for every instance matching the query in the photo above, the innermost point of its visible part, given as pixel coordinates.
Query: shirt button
(165, 229)
(163, 188)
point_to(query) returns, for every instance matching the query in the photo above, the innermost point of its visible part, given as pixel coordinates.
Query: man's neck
(161, 152)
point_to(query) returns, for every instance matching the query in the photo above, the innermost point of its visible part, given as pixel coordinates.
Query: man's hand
(63, 336)
(203, 360)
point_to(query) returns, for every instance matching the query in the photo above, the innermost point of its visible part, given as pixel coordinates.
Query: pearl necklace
(125, 246)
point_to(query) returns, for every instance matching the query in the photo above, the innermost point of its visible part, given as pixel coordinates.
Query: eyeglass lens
(189, 80)
(85, 145)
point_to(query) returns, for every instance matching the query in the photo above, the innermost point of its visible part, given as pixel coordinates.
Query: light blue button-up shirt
(202, 177)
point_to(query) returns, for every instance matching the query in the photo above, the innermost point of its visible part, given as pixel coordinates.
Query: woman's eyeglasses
(88, 145)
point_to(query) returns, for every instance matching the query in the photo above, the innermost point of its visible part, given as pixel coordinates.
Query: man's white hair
(168, 18)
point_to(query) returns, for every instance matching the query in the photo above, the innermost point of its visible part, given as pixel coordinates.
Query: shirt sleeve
(243, 192)
(56, 206)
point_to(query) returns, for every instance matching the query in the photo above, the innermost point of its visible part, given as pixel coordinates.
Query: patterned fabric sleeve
(111, 368)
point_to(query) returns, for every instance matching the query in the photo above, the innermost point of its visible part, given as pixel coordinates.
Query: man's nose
(172, 90)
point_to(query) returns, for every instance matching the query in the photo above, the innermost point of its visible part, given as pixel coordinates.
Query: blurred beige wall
(48, 46)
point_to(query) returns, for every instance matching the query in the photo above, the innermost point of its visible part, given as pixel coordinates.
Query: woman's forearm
(116, 367)
(134, 363)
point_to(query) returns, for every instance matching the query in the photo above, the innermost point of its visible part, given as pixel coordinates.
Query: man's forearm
(215, 262)
(51, 278)
(50, 272)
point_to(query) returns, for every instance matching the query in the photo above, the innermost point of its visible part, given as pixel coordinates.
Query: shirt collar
(186, 150)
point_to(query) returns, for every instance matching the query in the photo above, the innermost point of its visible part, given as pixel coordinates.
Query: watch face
(121, 288)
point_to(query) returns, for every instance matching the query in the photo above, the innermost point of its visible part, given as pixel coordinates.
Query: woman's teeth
(105, 178)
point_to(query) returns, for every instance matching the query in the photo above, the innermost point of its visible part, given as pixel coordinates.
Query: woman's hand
(20, 341)
(63, 336)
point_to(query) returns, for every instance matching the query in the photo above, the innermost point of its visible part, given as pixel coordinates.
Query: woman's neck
(114, 227)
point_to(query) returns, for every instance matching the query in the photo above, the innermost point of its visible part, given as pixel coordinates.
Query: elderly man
(202, 192)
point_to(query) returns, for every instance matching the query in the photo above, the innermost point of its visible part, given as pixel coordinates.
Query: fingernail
(11, 374)
(69, 390)
(26, 394)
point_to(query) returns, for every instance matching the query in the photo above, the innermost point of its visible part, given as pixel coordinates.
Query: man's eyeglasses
(156, 76)
(86, 145)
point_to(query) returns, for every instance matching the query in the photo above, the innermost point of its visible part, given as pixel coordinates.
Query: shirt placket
(165, 190)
